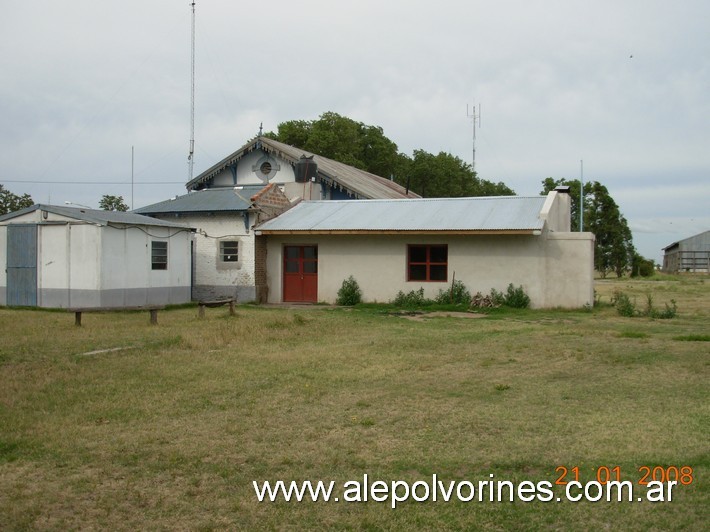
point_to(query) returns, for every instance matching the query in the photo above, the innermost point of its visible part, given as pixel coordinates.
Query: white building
(258, 181)
(67, 257)
(224, 252)
(391, 246)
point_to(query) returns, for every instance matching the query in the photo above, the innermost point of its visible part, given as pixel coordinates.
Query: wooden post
(154, 316)
(202, 311)
(77, 319)
(231, 307)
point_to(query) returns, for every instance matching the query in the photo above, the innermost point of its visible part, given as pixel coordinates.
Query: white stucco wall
(556, 211)
(554, 271)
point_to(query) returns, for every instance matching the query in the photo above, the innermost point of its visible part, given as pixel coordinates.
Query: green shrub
(624, 305)
(349, 293)
(458, 294)
(414, 298)
(516, 297)
(641, 266)
(497, 298)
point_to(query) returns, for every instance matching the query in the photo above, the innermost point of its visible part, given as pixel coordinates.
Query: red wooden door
(300, 267)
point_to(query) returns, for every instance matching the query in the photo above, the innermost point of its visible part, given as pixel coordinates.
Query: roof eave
(534, 232)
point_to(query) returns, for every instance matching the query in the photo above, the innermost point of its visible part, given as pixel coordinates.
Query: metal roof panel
(499, 213)
(96, 216)
(222, 199)
(362, 183)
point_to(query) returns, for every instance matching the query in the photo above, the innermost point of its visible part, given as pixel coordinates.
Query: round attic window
(266, 168)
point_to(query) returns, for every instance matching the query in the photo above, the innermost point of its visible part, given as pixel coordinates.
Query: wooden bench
(153, 309)
(216, 303)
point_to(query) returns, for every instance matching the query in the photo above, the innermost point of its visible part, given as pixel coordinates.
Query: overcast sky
(623, 85)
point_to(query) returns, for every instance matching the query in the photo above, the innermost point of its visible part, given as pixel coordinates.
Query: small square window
(229, 251)
(159, 255)
(427, 263)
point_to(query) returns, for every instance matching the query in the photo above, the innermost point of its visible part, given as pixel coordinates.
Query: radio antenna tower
(191, 156)
(476, 119)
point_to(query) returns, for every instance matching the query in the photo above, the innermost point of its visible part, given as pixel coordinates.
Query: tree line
(367, 148)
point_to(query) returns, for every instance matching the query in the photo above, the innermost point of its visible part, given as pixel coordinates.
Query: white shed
(68, 257)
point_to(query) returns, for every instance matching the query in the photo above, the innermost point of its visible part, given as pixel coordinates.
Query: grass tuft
(693, 338)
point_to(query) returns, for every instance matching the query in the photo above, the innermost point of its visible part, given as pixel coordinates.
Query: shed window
(229, 250)
(159, 255)
(427, 263)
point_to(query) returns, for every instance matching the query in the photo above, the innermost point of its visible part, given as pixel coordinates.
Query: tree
(641, 266)
(10, 202)
(112, 203)
(447, 176)
(366, 147)
(613, 246)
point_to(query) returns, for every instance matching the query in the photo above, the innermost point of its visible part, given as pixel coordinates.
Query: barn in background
(67, 257)
(690, 255)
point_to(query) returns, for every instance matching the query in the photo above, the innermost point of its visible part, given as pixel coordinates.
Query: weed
(627, 308)
(624, 306)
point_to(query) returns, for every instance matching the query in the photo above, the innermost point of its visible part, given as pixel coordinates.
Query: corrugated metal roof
(364, 184)
(207, 200)
(499, 213)
(94, 216)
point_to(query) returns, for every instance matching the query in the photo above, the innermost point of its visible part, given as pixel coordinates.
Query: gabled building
(263, 161)
(66, 257)
(404, 245)
(691, 254)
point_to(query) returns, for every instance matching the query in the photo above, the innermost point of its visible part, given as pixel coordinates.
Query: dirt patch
(440, 314)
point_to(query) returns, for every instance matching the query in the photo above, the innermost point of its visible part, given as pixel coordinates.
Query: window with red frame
(427, 263)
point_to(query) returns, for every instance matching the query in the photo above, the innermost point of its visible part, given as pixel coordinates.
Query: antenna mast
(191, 156)
(476, 118)
(581, 195)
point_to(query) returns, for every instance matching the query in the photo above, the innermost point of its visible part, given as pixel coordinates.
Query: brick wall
(270, 202)
(260, 279)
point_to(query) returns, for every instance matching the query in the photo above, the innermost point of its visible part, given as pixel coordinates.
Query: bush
(458, 294)
(497, 298)
(411, 299)
(349, 293)
(641, 266)
(516, 297)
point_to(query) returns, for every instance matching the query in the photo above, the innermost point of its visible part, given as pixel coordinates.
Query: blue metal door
(22, 265)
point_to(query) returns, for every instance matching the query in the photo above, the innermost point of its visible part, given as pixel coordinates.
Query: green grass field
(169, 428)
